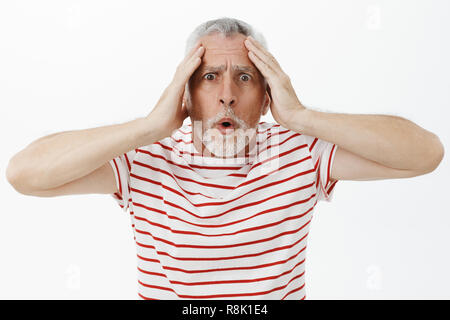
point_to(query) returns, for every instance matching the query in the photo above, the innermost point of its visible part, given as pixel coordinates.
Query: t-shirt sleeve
(122, 168)
(322, 154)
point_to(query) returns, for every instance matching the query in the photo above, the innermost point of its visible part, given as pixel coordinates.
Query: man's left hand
(284, 105)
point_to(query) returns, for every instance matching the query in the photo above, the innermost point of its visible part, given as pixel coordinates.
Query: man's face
(227, 96)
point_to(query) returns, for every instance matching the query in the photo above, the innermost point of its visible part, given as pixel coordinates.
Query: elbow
(15, 177)
(12, 176)
(440, 152)
(436, 155)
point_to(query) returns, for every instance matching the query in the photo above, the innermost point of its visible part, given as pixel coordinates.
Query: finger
(266, 71)
(263, 54)
(194, 62)
(188, 67)
(193, 50)
(253, 44)
(198, 53)
(263, 50)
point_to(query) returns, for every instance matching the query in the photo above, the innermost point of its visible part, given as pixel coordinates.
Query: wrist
(301, 121)
(149, 130)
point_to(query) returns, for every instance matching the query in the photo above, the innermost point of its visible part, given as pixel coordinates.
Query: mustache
(227, 113)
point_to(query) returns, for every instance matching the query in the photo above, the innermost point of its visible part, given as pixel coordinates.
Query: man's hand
(170, 112)
(284, 104)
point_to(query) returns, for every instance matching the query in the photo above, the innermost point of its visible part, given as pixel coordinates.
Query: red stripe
(179, 177)
(215, 203)
(242, 206)
(193, 154)
(254, 190)
(146, 298)
(202, 283)
(148, 259)
(180, 140)
(178, 150)
(158, 183)
(178, 245)
(331, 187)
(279, 144)
(159, 156)
(118, 175)
(214, 185)
(227, 168)
(224, 202)
(128, 162)
(225, 224)
(294, 290)
(222, 258)
(313, 144)
(223, 295)
(265, 265)
(155, 287)
(280, 155)
(224, 234)
(152, 273)
(329, 165)
(185, 133)
(318, 172)
(148, 194)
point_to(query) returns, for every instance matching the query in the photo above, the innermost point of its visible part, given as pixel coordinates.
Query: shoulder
(274, 133)
(280, 133)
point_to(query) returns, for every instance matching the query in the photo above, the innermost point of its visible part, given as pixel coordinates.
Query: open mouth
(225, 126)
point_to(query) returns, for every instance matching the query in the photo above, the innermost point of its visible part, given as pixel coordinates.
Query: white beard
(225, 145)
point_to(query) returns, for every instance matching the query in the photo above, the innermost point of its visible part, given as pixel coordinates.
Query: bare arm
(373, 147)
(58, 159)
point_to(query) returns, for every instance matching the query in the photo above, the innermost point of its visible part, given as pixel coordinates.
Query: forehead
(217, 43)
(223, 52)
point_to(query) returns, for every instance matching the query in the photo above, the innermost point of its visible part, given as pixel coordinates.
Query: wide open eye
(209, 74)
(245, 75)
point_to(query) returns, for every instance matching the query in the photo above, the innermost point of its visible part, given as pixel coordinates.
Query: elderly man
(221, 206)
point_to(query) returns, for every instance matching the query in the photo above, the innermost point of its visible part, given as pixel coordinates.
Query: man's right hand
(170, 112)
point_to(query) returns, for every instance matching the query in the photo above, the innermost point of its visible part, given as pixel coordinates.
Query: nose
(227, 95)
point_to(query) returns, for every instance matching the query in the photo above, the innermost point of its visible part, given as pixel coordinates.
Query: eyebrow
(241, 68)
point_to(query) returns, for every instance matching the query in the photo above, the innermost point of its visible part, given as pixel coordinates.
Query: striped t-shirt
(206, 229)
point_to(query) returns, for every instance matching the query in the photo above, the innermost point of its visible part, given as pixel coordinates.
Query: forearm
(60, 158)
(389, 140)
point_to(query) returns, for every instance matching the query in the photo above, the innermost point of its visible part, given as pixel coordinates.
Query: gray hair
(227, 27)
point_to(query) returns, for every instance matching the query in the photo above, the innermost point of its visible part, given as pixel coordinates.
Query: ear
(185, 98)
(185, 106)
(267, 102)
